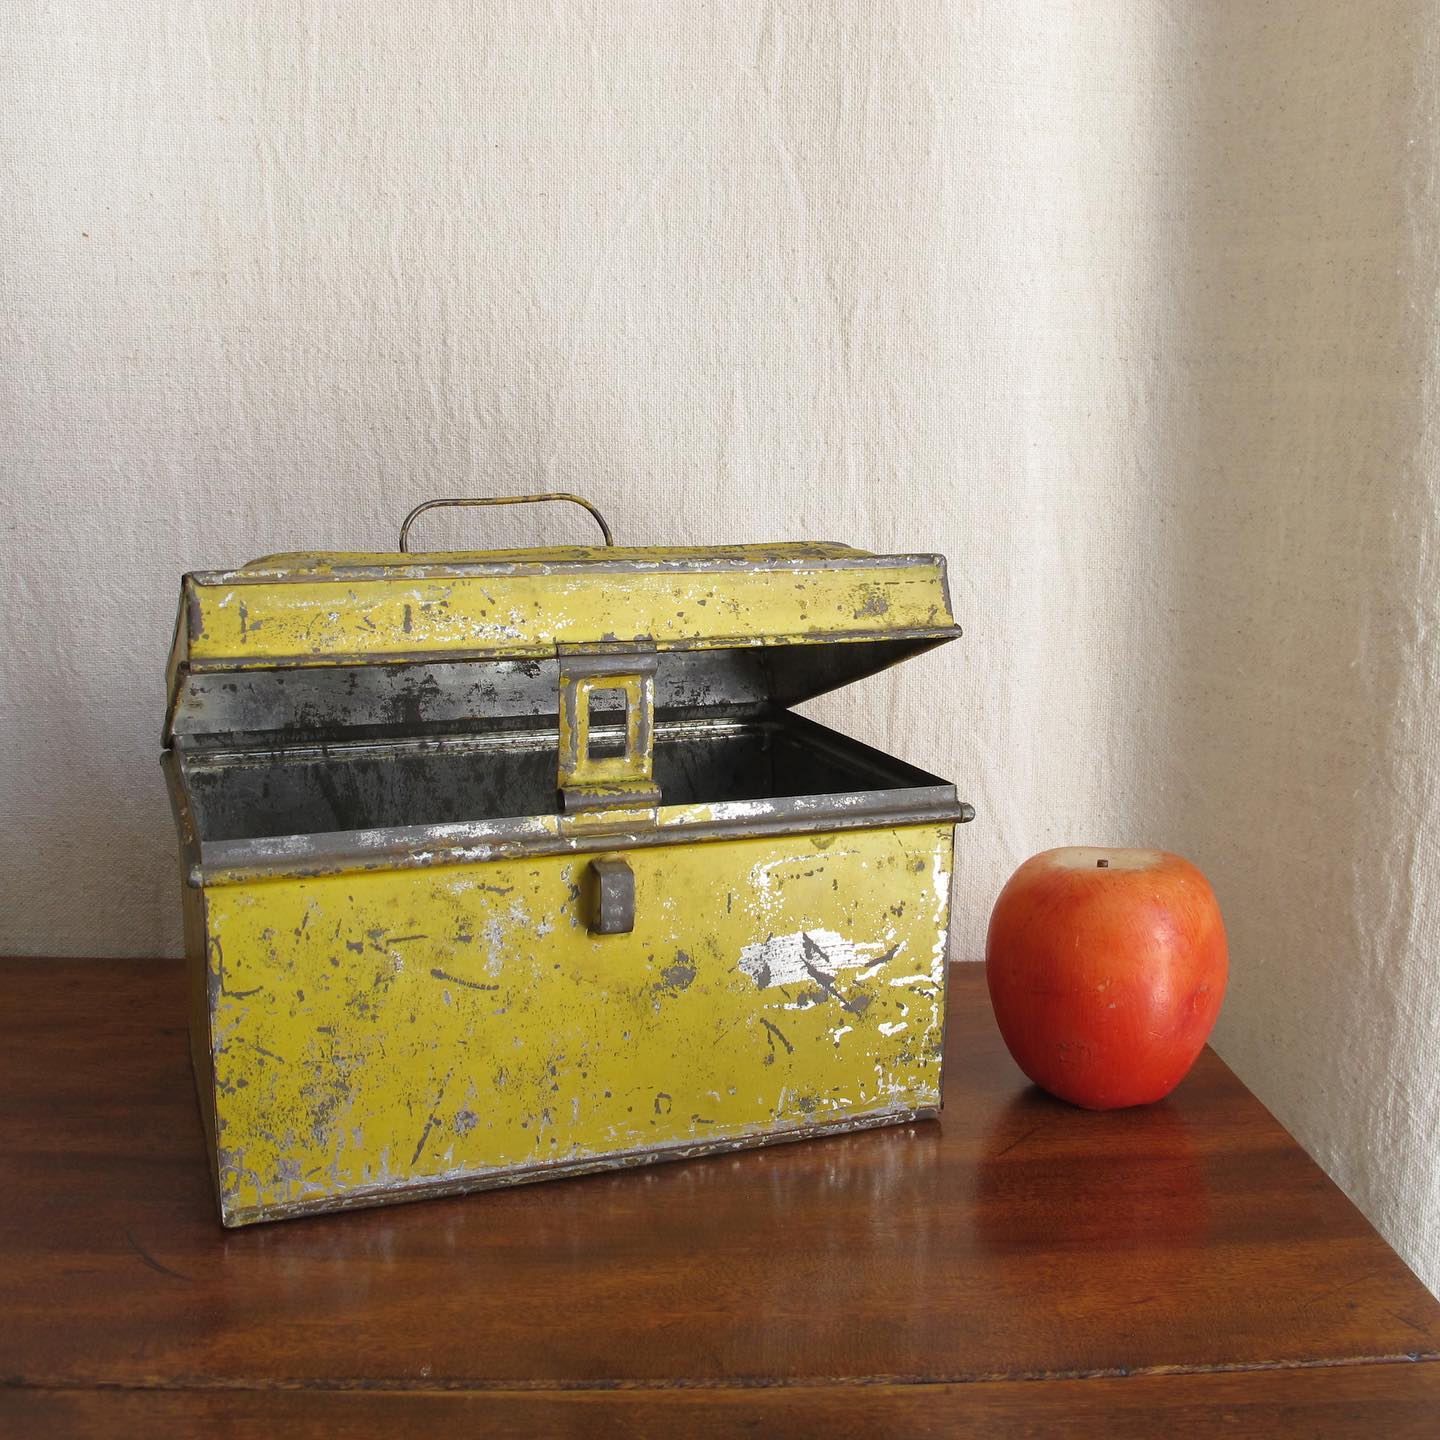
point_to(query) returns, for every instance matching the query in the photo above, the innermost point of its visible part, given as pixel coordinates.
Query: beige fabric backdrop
(1128, 307)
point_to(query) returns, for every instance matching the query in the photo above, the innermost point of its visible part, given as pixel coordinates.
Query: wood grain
(925, 1268)
(1398, 1402)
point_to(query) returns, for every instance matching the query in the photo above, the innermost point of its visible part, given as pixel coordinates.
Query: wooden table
(1021, 1268)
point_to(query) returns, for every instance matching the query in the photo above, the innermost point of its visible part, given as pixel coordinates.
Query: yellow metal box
(516, 864)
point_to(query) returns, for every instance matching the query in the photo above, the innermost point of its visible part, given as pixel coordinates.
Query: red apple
(1106, 969)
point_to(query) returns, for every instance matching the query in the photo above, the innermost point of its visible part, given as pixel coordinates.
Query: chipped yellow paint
(317, 613)
(408, 1031)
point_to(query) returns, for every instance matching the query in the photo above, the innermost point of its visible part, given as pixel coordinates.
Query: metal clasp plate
(590, 781)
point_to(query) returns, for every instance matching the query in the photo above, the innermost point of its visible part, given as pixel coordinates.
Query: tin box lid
(813, 617)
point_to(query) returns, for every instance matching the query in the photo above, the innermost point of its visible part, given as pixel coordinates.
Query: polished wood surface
(1162, 1267)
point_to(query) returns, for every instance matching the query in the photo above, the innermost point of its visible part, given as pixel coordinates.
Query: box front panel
(377, 1033)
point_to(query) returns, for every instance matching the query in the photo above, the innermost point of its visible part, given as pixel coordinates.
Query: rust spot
(773, 1033)
(676, 978)
(439, 974)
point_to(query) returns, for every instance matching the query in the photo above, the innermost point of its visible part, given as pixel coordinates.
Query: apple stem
(1102, 864)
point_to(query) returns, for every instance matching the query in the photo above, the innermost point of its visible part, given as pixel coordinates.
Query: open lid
(311, 646)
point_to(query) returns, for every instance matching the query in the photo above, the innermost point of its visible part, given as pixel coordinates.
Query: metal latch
(589, 777)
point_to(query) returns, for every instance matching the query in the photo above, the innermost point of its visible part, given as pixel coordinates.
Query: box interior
(255, 794)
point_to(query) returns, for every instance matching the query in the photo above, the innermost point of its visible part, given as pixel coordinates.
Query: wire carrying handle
(425, 505)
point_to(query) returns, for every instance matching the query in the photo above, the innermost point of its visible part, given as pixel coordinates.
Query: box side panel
(199, 994)
(381, 1032)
